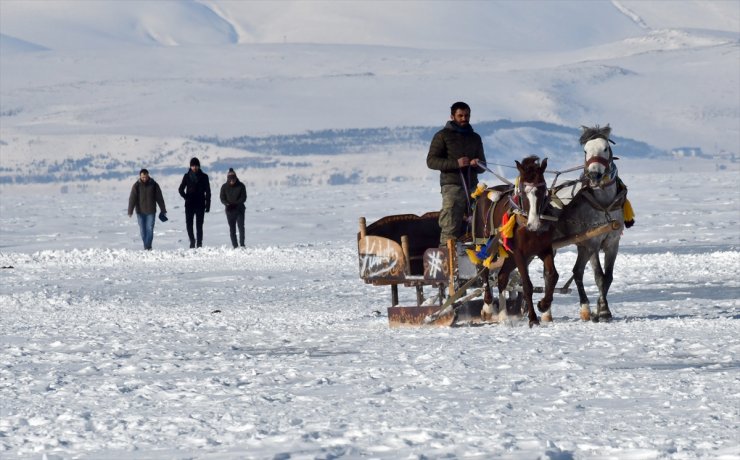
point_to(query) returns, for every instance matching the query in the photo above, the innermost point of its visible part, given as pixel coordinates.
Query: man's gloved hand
(462, 162)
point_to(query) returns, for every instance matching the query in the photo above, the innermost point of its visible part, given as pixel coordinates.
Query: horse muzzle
(594, 178)
(534, 224)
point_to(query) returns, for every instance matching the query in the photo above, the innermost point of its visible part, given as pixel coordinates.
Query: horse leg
(514, 303)
(604, 278)
(521, 264)
(600, 279)
(503, 281)
(487, 311)
(578, 269)
(551, 279)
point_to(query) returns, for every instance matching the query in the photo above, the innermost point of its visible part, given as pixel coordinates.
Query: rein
(465, 185)
(467, 197)
(501, 178)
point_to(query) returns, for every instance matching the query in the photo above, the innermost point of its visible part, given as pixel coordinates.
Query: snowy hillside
(662, 73)
(318, 157)
(413, 24)
(535, 25)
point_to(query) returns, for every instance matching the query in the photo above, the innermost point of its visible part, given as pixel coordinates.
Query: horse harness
(616, 203)
(514, 197)
(606, 162)
(611, 175)
(516, 201)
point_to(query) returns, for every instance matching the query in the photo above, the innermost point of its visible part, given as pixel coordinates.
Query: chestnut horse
(532, 236)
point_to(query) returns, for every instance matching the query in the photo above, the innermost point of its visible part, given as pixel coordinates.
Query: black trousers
(198, 213)
(235, 218)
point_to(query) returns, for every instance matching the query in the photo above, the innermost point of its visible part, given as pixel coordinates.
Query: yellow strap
(507, 230)
(629, 213)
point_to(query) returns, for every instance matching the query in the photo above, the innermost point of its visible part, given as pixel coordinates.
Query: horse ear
(518, 166)
(543, 165)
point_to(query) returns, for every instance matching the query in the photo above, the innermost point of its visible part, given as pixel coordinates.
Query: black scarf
(460, 129)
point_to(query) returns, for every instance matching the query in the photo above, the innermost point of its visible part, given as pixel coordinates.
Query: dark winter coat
(448, 145)
(233, 196)
(144, 198)
(196, 189)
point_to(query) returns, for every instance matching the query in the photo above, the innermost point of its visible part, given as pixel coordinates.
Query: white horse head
(598, 160)
(598, 155)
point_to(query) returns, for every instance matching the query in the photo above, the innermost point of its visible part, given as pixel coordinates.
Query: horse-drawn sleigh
(510, 225)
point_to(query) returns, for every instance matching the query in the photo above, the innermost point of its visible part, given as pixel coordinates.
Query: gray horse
(599, 202)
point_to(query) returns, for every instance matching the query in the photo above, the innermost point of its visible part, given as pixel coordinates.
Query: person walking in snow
(456, 151)
(196, 190)
(233, 196)
(144, 198)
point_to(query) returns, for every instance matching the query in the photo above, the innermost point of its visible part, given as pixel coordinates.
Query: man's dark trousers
(235, 217)
(198, 213)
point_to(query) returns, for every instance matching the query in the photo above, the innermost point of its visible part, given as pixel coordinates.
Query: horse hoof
(603, 312)
(547, 317)
(585, 314)
(605, 316)
(534, 322)
(487, 312)
(488, 318)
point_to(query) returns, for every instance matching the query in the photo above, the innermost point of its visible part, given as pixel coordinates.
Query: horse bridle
(522, 194)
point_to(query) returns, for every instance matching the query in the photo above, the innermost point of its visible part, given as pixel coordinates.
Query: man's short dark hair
(459, 105)
(144, 171)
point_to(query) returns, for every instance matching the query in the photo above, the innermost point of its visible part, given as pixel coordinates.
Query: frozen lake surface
(278, 350)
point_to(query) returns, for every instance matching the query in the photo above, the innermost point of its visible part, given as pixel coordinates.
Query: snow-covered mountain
(278, 350)
(81, 80)
(535, 25)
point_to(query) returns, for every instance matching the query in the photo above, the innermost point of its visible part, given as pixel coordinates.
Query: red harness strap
(596, 159)
(505, 240)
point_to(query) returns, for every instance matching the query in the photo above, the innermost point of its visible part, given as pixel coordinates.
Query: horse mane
(595, 132)
(531, 160)
(530, 167)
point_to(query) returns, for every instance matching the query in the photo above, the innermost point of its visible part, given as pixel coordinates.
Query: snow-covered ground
(278, 350)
